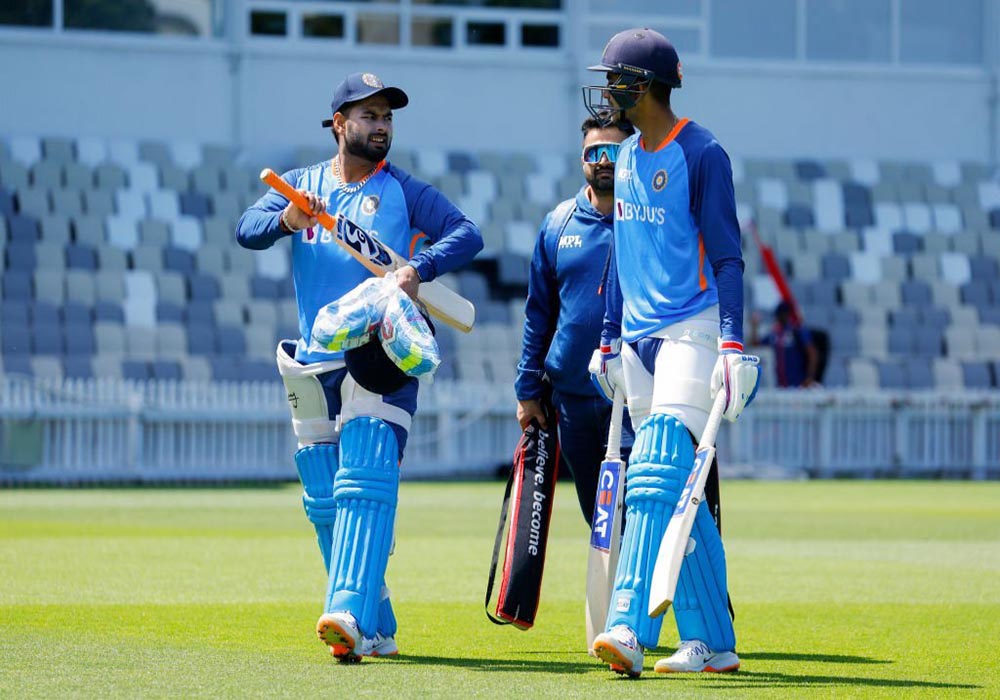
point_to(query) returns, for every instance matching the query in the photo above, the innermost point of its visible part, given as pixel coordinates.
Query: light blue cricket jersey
(403, 212)
(676, 237)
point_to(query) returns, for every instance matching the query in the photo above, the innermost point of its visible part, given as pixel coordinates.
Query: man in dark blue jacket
(565, 311)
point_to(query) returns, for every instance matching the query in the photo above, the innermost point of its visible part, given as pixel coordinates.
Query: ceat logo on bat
(604, 510)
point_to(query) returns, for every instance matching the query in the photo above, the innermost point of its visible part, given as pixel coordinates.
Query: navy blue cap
(360, 86)
(644, 49)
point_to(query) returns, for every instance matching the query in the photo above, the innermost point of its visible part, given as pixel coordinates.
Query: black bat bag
(532, 483)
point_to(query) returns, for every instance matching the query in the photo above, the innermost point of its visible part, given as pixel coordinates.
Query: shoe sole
(708, 669)
(333, 635)
(340, 652)
(618, 663)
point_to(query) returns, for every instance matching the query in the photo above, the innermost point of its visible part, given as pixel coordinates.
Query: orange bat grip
(295, 197)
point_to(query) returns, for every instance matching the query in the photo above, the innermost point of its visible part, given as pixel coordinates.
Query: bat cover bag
(532, 483)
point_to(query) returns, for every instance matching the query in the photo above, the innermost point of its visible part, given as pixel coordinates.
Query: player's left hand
(739, 376)
(408, 280)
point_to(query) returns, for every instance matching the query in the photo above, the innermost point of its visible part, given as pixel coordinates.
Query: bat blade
(674, 545)
(443, 303)
(605, 531)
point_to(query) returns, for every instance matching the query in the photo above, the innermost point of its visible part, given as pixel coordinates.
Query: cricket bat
(605, 530)
(441, 302)
(674, 544)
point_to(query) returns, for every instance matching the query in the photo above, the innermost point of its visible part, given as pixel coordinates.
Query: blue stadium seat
(23, 228)
(17, 362)
(6, 203)
(906, 243)
(15, 340)
(844, 340)
(195, 204)
(493, 312)
(915, 293)
(47, 339)
(109, 311)
(259, 371)
(919, 373)
(836, 375)
(976, 293)
(14, 313)
(903, 318)
(135, 369)
(983, 267)
(990, 315)
(226, 369)
(286, 288)
(44, 312)
(809, 170)
(178, 260)
(80, 338)
(16, 286)
(799, 216)
(929, 342)
(836, 267)
(20, 256)
(80, 257)
(994, 218)
(902, 340)
(264, 288)
(513, 269)
(473, 286)
(203, 287)
(857, 206)
(231, 341)
(169, 312)
(843, 316)
(977, 375)
(75, 311)
(77, 367)
(165, 369)
(891, 375)
(823, 292)
(802, 291)
(461, 163)
(201, 339)
(932, 317)
(200, 312)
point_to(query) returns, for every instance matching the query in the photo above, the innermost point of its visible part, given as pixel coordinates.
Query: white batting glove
(606, 369)
(736, 374)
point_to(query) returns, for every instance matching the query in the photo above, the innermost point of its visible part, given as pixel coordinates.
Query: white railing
(123, 431)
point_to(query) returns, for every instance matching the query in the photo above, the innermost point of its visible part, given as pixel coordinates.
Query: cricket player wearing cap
(673, 334)
(352, 427)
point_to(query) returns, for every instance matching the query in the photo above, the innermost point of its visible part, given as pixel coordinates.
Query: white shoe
(619, 648)
(695, 657)
(340, 632)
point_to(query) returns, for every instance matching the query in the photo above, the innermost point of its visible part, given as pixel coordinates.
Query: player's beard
(602, 179)
(359, 145)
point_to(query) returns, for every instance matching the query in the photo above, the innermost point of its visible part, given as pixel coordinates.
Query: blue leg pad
(701, 601)
(317, 465)
(365, 491)
(658, 468)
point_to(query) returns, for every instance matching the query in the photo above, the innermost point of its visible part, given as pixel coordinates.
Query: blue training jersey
(403, 212)
(564, 310)
(676, 240)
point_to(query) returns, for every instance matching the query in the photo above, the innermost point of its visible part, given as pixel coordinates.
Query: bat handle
(272, 179)
(615, 431)
(714, 420)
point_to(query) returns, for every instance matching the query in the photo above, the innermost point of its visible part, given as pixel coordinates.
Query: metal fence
(80, 431)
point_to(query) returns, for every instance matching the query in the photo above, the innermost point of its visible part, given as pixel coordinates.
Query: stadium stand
(119, 260)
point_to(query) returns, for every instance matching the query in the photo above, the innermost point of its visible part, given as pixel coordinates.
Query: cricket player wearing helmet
(673, 333)
(352, 432)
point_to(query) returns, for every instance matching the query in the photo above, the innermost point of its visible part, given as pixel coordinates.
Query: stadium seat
(977, 375)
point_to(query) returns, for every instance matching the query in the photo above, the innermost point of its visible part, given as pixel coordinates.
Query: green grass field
(842, 589)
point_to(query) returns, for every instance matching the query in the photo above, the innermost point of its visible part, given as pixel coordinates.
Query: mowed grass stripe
(842, 589)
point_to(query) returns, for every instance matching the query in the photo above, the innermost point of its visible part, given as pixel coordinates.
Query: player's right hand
(298, 219)
(606, 369)
(528, 409)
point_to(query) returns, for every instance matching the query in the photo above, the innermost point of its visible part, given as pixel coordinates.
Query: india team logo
(659, 180)
(372, 80)
(369, 205)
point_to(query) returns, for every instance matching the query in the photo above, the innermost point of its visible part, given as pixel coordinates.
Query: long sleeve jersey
(677, 239)
(565, 306)
(403, 212)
